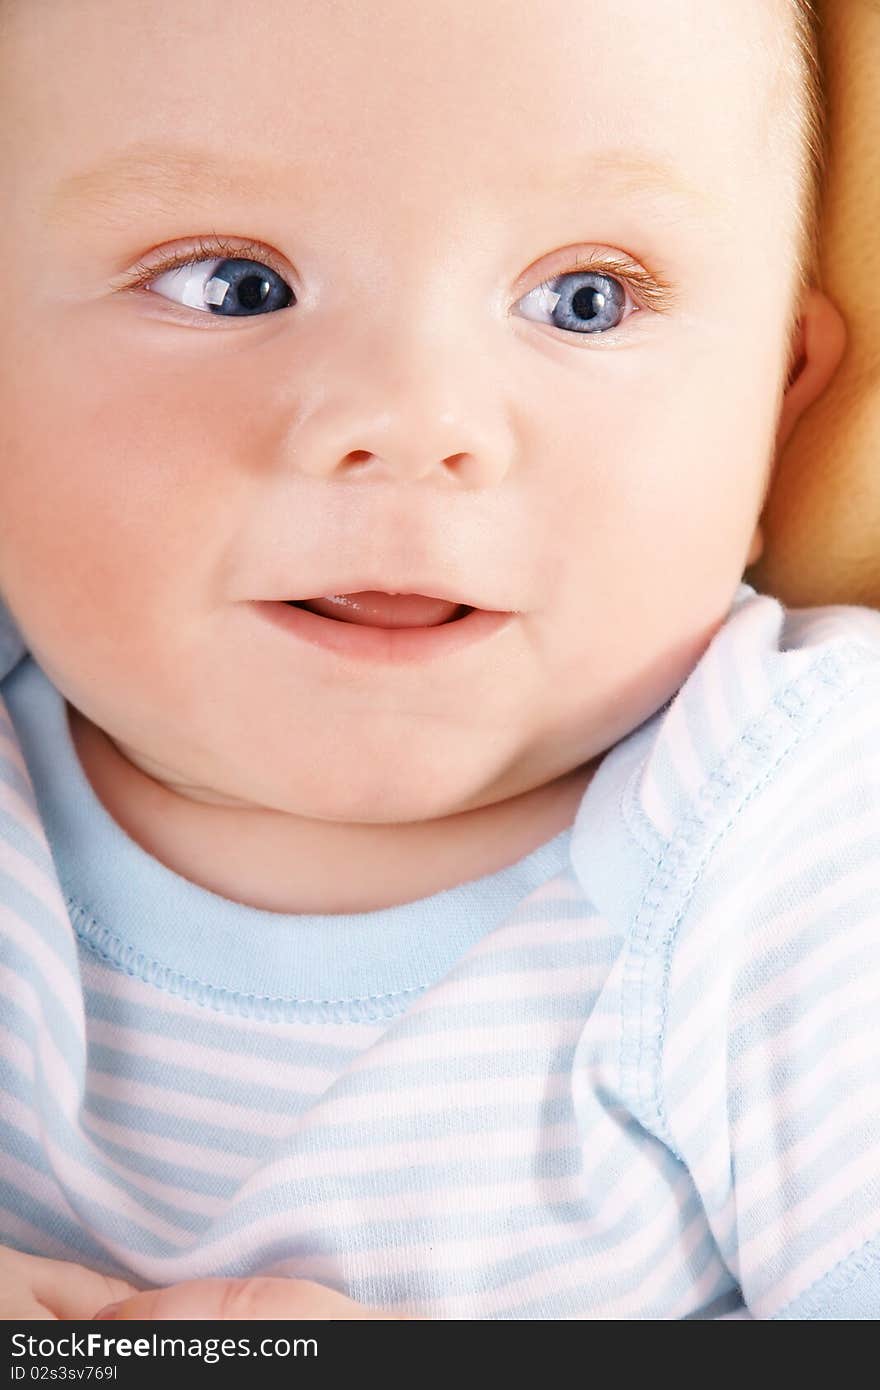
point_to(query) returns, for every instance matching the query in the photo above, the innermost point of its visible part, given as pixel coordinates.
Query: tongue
(371, 608)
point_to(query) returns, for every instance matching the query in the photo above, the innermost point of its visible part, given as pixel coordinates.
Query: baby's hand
(31, 1287)
(246, 1299)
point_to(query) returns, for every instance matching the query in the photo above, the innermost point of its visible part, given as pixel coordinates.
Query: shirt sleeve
(754, 1006)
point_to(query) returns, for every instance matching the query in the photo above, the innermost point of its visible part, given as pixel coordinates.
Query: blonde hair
(806, 118)
(814, 138)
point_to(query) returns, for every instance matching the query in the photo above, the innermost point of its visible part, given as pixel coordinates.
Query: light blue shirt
(633, 1075)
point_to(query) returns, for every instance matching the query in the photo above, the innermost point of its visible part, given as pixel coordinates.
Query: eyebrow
(166, 174)
(631, 173)
(169, 176)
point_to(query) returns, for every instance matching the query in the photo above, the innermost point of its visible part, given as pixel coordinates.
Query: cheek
(113, 488)
(651, 540)
(649, 470)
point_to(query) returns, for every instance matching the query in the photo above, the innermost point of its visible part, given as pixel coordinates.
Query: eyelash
(654, 292)
(205, 249)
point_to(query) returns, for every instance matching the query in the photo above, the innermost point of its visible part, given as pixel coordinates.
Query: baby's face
(435, 383)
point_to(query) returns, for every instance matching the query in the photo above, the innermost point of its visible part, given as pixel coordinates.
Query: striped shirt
(634, 1075)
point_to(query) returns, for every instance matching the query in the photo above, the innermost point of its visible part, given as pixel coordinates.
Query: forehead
(423, 103)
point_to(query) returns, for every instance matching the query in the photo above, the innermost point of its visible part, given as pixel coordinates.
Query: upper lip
(428, 585)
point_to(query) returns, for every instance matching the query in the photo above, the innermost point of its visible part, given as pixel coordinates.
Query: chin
(386, 795)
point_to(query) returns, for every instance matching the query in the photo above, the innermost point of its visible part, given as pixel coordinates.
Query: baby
(432, 880)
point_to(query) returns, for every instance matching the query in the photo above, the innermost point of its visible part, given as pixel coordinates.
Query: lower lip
(392, 646)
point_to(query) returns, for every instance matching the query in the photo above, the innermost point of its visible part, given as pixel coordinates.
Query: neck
(283, 863)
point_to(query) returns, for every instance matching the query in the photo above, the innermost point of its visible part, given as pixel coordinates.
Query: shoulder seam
(741, 772)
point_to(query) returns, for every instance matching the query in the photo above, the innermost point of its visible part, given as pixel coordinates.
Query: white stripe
(806, 979)
(508, 985)
(206, 1110)
(24, 1119)
(818, 1010)
(707, 1020)
(717, 930)
(464, 1254)
(17, 1052)
(732, 902)
(23, 870)
(652, 801)
(58, 979)
(425, 1152)
(413, 1099)
(763, 1247)
(690, 769)
(82, 1182)
(860, 1098)
(634, 1252)
(70, 1172)
(212, 1062)
(29, 1238)
(129, 990)
(18, 808)
(832, 1065)
(208, 1253)
(802, 986)
(588, 930)
(204, 1160)
(722, 721)
(44, 1190)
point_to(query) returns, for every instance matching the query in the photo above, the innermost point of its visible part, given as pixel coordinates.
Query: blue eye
(231, 287)
(579, 302)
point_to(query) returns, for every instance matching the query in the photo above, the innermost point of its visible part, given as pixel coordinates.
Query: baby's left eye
(580, 301)
(230, 287)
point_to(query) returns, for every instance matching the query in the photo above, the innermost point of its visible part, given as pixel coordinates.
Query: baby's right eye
(232, 287)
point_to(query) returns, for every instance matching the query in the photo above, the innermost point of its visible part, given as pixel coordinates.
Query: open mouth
(385, 629)
(372, 608)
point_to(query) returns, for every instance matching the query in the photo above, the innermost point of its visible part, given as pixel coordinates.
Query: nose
(388, 407)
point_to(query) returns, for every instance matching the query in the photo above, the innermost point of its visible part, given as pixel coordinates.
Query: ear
(817, 349)
(816, 352)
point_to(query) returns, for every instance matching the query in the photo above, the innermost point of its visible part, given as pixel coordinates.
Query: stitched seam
(110, 948)
(836, 1280)
(645, 1082)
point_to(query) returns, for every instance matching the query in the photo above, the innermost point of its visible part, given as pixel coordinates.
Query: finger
(23, 1307)
(58, 1287)
(246, 1300)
